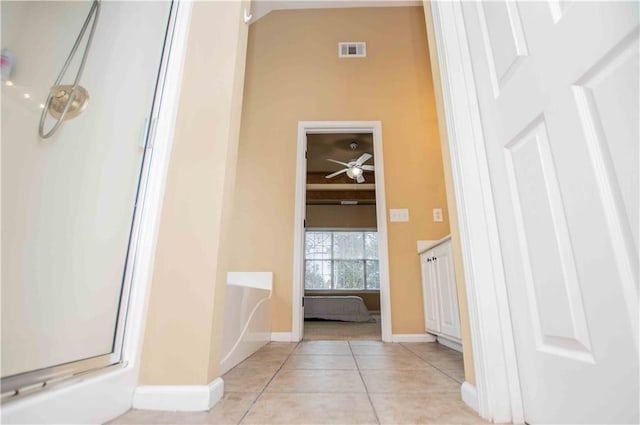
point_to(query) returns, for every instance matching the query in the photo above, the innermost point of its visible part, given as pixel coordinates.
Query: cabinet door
(429, 292)
(447, 293)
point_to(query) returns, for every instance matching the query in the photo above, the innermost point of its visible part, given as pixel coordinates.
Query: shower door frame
(116, 358)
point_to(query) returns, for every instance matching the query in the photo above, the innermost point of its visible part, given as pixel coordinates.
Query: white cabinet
(430, 292)
(439, 292)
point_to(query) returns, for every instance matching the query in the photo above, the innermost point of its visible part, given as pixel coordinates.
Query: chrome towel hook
(68, 101)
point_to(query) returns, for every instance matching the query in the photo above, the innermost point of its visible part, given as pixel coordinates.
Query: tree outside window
(341, 260)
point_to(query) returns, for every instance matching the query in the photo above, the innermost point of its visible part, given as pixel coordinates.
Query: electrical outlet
(437, 215)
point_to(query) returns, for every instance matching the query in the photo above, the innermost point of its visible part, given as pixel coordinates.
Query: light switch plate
(399, 215)
(437, 215)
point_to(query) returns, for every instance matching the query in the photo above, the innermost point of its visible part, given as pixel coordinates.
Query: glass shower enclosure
(78, 85)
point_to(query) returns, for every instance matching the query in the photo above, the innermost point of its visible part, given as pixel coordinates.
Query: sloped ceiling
(260, 8)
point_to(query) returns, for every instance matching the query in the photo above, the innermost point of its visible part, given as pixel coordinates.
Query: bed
(342, 308)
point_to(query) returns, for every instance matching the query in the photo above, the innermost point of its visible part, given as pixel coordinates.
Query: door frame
(497, 395)
(320, 127)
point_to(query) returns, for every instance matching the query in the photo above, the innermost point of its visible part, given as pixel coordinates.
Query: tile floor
(335, 382)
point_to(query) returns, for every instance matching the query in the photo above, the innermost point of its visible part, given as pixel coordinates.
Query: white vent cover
(352, 49)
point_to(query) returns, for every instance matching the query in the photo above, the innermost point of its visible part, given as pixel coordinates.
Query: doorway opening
(341, 264)
(341, 261)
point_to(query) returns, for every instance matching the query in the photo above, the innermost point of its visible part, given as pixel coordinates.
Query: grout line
(353, 356)
(409, 350)
(375, 412)
(267, 384)
(444, 372)
(434, 366)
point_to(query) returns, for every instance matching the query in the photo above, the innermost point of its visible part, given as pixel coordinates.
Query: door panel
(551, 279)
(606, 98)
(558, 8)
(430, 293)
(447, 296)
(560, 121)
(503, 38)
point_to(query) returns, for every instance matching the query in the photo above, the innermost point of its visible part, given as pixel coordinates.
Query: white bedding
(343, 308)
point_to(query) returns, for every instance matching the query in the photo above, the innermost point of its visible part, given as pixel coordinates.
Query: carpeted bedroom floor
(334, 330)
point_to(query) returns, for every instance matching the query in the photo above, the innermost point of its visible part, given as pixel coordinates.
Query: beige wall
(293, 73)
(469, 370)
(184, 330)
(339, 216)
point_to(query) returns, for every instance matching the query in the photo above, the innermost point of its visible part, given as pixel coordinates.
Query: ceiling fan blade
(368, 167)
(338, 162)
(363, 158)
(360, 179)
(344, 170)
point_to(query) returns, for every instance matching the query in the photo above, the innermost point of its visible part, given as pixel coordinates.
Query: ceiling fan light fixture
(354, 172)
(354, 169)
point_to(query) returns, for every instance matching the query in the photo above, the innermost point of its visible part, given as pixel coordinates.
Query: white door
(558, 88)
(430, 292)
(447, 293)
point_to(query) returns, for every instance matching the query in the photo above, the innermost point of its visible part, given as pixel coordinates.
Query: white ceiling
(260, 8)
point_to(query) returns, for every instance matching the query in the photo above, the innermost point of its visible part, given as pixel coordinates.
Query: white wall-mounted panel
(247, 316)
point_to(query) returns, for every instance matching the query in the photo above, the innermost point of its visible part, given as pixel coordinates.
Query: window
(341, 260)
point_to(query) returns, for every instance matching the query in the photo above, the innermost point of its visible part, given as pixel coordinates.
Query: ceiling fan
(355, 168)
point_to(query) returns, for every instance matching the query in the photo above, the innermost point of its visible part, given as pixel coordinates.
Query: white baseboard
(454, 345)
(425, 337)
(281, 337)
(179, 398)
(469, 395)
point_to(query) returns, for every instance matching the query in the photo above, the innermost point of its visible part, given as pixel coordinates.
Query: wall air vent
(352, 49)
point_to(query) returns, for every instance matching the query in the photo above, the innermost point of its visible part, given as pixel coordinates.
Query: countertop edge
(433, 245)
